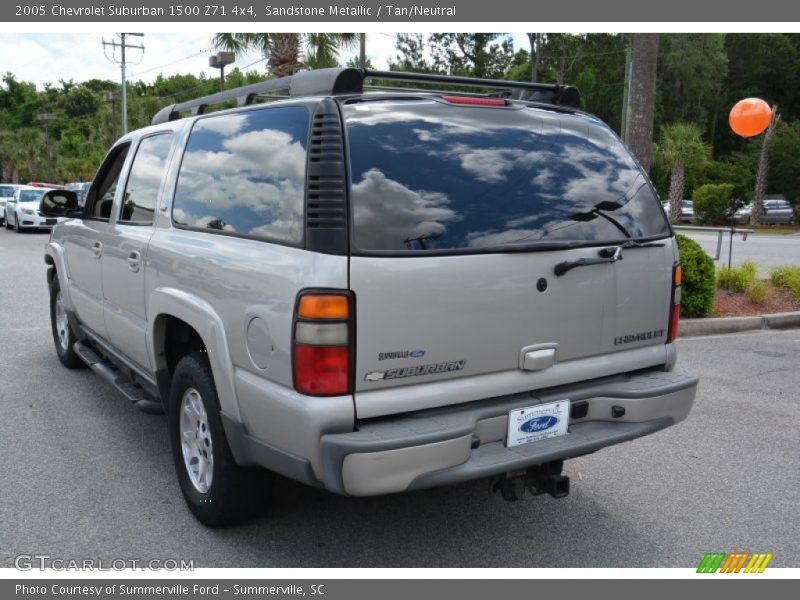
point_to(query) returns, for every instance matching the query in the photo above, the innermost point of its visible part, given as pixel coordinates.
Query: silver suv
(374, 291)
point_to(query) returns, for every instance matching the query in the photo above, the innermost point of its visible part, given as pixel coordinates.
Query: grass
(737, 279)
(788, 278)
(773, 229)
(756, 292)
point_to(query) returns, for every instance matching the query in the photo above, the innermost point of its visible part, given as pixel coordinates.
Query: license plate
(51, 221)
(539, 422)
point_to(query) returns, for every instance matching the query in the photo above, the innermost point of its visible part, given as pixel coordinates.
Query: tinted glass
(106, 185)
(144, 181)
(30, 195)
(427, 175)
(6, 191)
(245, 173)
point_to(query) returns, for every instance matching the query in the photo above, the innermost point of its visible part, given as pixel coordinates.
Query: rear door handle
(97, 249)
(134, 260)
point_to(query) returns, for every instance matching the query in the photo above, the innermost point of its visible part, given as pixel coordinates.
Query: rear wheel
(216, 489)
(63, 337)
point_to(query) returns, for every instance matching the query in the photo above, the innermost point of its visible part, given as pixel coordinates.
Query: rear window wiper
(607, 255)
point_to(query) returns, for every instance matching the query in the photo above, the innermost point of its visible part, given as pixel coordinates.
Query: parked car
(776, 210)
(80, 188)
(6, 193)
(687, 210)
(22, 212)
(373, 293)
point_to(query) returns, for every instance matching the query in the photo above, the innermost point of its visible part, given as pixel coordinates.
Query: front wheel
(216, 489)
(63, 337)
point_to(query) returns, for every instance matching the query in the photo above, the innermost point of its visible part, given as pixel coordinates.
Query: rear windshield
(30, 195)
(431, 176)
(6, 191)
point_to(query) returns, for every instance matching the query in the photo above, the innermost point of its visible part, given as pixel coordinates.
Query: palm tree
(763, 169)
(285, 51)
(679, 144)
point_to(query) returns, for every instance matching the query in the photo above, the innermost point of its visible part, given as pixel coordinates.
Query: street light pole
(218, 61)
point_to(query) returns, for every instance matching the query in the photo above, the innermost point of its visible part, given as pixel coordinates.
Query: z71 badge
(443, 367)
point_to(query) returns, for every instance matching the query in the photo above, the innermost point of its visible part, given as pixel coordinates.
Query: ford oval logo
(416, 353)
(538, 424)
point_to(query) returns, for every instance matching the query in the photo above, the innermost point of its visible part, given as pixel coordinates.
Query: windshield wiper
(607, 255)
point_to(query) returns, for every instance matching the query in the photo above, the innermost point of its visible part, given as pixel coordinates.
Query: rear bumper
(465, 442)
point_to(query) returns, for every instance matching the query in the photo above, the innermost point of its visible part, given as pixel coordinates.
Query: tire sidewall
(193, 371)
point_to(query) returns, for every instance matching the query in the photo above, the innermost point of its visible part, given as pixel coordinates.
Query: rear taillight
(322, 343)
(675, 303)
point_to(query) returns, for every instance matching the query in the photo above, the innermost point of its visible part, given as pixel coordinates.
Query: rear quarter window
(244, 174)
(430, 176)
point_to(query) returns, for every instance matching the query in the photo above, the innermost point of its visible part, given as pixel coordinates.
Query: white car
(6, 193)
(22, 211)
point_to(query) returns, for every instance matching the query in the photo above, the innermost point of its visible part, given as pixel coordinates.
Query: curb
(717, 325)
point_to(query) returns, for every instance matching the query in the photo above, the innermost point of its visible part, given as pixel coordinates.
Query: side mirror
(59, 203)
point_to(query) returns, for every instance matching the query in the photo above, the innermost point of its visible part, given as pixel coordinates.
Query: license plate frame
(536, 423)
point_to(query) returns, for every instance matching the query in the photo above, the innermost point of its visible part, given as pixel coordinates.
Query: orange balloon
(750, 117)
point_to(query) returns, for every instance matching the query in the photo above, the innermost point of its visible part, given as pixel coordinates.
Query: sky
(50, 57)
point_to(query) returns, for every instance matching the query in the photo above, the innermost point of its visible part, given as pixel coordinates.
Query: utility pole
(122, 45)
(362, 50)
(219, 61)
(111, 98)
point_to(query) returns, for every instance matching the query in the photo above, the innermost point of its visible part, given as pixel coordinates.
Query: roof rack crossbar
(461, 81)
(338, 81)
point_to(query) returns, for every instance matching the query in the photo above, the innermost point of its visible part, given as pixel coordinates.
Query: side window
(244, 174)
(144, 180)
(101, 194)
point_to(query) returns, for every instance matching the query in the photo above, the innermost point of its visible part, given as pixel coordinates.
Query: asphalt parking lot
(86, 475)
(767, 250)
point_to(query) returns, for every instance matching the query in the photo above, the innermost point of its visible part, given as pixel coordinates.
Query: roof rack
(344, 81)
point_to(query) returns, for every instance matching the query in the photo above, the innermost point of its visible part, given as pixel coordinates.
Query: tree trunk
(641, 105)
(362, 50)
(534, 39)
(763, 170)
(284, 54)
(676, 183)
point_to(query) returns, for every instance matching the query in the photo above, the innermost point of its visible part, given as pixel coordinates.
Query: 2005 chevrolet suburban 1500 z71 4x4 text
(374, 291)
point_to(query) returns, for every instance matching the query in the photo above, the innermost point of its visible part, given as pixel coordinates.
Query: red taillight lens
(322, 341)
(475, 101)
(675, 303)
(322, 370)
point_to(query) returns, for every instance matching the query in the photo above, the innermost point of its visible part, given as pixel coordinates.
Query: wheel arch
(180, 323)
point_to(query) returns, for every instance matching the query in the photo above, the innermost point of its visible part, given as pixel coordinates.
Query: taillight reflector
(475, 101)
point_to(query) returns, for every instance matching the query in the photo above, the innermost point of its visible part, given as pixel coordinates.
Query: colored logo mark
(736, 562)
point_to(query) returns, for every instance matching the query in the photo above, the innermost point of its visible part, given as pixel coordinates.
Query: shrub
(783, 276)
(712, 203)
(697, 293)
(737, 279)
(756, 292)
(787, 278)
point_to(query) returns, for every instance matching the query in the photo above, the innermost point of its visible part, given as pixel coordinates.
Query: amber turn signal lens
(323, 306)
(678, 275)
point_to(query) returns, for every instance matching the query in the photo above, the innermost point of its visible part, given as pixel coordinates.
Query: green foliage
(712, 203)
(737, 279)
(756, 291)
(784, 163)
(697, 293)
(787, 278)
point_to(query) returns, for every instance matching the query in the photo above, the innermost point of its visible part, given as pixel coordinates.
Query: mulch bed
(736, 304)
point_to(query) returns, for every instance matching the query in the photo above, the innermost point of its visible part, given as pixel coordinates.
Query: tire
(226, 493)
(63, 337)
